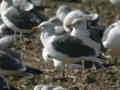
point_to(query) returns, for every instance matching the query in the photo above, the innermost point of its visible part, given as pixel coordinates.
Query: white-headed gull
(65, 48)
(61, 12)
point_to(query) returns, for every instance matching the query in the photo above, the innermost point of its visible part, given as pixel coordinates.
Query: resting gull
(92, 31)
(20, 18)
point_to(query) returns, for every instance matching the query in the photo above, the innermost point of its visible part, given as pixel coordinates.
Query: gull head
(45, 26)
(75, 15)
(62, 11)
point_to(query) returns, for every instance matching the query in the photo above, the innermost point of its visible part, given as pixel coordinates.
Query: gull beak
(35, 29)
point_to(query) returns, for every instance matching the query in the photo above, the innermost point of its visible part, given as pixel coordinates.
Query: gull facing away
(61, 12)
(111, 39)
(4, 84)
(65, 48)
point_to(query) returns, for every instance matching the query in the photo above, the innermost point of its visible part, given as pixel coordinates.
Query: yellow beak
(34, 29)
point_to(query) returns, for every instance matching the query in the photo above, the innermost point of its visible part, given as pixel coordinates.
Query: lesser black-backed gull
(20, 20)
(66, 48)
(89, 21)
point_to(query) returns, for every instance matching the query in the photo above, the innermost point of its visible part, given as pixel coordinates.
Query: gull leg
(60, 65)
(95, 59)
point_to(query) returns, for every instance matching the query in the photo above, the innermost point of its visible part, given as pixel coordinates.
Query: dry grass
(85, 79)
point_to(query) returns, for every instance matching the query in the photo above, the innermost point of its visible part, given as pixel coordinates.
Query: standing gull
(65, 48)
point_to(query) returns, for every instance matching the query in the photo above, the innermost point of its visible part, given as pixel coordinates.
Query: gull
(17, 19)
(4, 83)
(61, 12)
(91, 29)
(111, 40)
(65, 48)
(20, 17)
(80, 30)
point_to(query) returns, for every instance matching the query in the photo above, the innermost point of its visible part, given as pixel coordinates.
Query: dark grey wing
(10, 63)
(4, 83)
(96, 32)
(72, 47)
